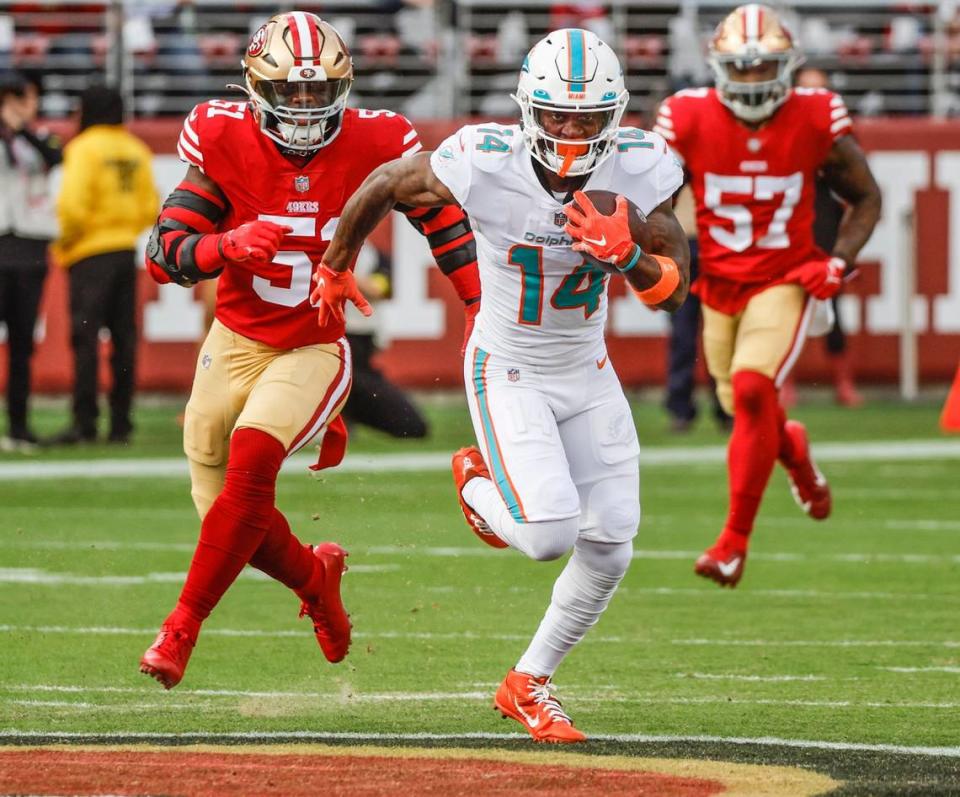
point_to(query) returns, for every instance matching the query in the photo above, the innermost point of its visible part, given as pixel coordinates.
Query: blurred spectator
(588, 14)
(107, 199)
(374, 400)
(684, 334)
(27, 225)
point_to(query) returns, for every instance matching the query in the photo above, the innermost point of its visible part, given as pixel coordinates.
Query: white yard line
(829, 643)
(36, 576)
(912, 670)
(319, 736)
(343, 697)
(710, 594)
(469, 635)
(256, 633)
(880, 450)
(120, 707)
(711, 676)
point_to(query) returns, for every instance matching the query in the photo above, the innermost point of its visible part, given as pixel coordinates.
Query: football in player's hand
(640, 231)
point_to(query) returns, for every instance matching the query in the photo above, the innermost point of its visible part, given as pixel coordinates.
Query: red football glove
(331, 293)
(820, 278)
(470, 311)
(255, 240)
(605, 238)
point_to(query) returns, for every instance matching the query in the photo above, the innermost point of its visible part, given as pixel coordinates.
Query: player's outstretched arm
(847, 172)
(408, 181)
(185, 247)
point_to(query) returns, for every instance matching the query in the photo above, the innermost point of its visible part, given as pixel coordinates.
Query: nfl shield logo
(513, 374)
(559, 219)
(301, 183)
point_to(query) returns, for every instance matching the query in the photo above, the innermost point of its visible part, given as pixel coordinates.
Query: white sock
(580, 595)
(541, 540)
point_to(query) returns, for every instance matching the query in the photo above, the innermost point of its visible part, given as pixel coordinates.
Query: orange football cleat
(721, 564)
(529, 701)
(808, 484)
(322, 602)
(468, 464)
(166, 659)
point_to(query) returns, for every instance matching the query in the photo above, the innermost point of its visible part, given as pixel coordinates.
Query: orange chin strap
(569, 153)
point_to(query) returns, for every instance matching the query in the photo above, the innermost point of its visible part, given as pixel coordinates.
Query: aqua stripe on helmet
(578, 60)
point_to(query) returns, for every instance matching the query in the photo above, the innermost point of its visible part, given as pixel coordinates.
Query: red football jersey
(271, 302)
(754, 189)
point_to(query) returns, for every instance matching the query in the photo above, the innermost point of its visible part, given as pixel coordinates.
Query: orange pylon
(950, 417)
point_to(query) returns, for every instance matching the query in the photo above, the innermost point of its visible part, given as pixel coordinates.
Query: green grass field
(846, 631)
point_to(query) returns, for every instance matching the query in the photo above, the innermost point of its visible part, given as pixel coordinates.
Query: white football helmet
(751, 36)
(571, 70)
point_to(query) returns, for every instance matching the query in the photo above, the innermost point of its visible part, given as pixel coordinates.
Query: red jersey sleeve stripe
(840, 124)
(189, 155)
(185, 143)
(190, 133)
(412, 150)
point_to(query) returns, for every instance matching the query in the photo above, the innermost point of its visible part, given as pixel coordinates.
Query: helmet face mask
(753, 58)
(298, 73)
(571, 72)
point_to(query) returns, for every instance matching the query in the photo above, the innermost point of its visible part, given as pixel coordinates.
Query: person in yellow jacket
(107, 199)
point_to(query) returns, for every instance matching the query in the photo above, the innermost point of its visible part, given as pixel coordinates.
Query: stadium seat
(30, 47)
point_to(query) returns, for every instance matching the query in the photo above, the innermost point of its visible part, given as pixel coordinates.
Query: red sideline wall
(917, 163)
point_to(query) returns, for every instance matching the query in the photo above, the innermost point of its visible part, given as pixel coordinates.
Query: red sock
(753, 449)
(236, 523)
(786, 454)
(282, 556)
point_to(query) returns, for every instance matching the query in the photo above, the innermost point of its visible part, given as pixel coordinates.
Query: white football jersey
(540, 300)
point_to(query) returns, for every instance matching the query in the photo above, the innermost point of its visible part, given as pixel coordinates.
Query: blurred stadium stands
(446, 58)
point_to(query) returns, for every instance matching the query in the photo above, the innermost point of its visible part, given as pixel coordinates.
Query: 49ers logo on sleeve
(258, 41)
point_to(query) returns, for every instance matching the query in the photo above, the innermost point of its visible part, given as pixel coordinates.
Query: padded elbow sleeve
(188, 217)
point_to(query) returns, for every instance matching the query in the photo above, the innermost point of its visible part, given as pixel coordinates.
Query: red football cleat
(166, 659)
(808, 484)
(468, 464)
(721, 564)
(322, 602)
(528, 700)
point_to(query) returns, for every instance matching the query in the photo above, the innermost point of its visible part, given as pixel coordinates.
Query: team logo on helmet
(307, 73)
(258, 41)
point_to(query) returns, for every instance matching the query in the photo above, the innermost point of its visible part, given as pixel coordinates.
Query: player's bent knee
(752, 391)
(204, 439)
(550, 539)
(620, 521)
(611, 559)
